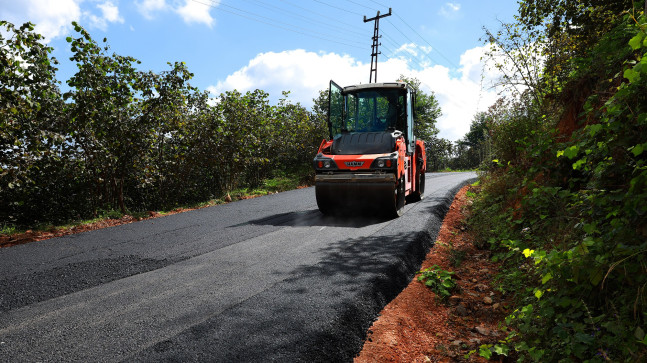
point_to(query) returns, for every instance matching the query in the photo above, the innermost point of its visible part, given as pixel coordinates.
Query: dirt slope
(418, 327)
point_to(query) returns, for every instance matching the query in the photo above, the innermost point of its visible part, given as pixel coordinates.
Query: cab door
(335, 109)
(411, 141)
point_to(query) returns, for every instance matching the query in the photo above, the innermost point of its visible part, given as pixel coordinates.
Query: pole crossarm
(376, 44)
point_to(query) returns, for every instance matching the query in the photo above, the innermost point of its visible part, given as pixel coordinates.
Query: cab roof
(397, 85)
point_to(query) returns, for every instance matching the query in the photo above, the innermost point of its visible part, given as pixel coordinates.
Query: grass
(450, 170)
(8, 230)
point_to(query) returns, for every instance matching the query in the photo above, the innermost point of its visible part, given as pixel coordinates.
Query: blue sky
(278, 45)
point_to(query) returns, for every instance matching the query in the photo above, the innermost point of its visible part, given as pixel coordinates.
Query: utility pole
(376, 37)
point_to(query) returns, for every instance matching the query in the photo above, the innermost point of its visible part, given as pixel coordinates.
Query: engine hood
(364, 143)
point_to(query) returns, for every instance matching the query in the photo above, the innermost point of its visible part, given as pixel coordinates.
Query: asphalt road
(265, 279)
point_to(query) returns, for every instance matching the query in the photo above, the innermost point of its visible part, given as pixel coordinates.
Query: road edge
(357, 319)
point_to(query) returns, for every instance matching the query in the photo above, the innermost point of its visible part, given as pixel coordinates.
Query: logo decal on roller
(354, 164)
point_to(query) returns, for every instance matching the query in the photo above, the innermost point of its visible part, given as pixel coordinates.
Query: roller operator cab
(372, 161)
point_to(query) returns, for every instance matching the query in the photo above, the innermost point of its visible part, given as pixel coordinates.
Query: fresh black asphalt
(265, 279)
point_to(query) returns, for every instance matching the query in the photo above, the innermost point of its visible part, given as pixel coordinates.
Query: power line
(307, 32)
(425, 40)
(393, 43)
(362, 5)
(275, 8)
(270, 19)
(412, 59)
(324, 16)
(382, 5)
(271, 22)
(411, 41)
(337, 7)
(418, 34)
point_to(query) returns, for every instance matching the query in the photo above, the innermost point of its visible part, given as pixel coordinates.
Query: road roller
(371, 162)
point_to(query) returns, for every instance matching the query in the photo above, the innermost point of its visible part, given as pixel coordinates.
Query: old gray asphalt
(266, 279)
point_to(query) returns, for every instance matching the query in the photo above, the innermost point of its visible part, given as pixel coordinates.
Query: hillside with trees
(563, 200)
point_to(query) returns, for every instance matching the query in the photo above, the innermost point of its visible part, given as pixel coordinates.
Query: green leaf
(594, 129)
(642, 118)
(631, 74)
(535, 353)
(596, 276)
(501, 349)
(571, 152)
(636, 41)
(637, 150)
(538, 294)
(485, 352)
(589, 228)
(578, 164)
(639, 333)
(547, 277)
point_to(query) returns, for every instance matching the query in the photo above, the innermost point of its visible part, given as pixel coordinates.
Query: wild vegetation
(563, 198)
(121, 139)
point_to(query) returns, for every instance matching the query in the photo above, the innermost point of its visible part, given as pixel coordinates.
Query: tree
(478, 132)
(475, 146)
(320, 110)
(31, 139)
(181, 140)
(128, 140)
(104, 115)
(439, 151)
(426, 109)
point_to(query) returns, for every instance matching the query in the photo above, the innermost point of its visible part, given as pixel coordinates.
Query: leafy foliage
(31, 144)
(438, 280)
(426, 109)
(565, 204)
(129, 140)
(475, 146)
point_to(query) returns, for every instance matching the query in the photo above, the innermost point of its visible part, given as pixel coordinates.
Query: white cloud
(52, 18)
(148, 8)
(196, 12)
(409, 48)
(450, 10)
(300, 72)
(189, 10)
(461, 97)
(109, 14)
(305, 73)
(413, 53)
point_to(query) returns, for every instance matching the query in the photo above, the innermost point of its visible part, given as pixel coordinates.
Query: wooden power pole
(374, 47)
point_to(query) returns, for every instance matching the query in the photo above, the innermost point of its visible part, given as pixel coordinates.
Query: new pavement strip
(268, 279)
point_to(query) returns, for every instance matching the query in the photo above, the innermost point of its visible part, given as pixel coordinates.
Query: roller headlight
(324, 163)
(384, 163)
